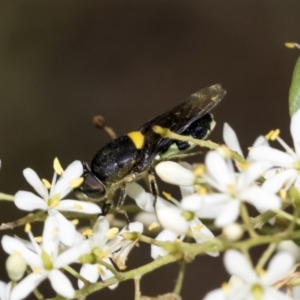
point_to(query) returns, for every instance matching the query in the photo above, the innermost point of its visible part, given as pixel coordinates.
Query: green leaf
(294, 94)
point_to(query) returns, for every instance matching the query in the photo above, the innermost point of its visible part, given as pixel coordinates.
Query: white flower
(235, 188)
(231, 140)
(171, 216)
(51, 200)
(101, 245)
(44, 262)
(289, 159)
(253, 286)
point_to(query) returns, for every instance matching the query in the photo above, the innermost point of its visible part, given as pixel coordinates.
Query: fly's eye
(92, 187)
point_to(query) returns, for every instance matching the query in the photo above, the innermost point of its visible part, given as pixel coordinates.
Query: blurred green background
(62, 62)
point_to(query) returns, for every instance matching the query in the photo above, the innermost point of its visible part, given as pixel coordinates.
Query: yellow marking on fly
(27, 227)
(57, 166)
(137, 138)
(75, 183)
(168, 196)
(46, 183)
(153, 226)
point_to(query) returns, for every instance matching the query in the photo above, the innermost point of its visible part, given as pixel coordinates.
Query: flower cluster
(215, 195)
(61, 244)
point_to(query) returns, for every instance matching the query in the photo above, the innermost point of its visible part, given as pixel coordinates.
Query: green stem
(179, 281)
(265, 257)
(75, 274)
(137, 288)
(246, 218)
(7, 197)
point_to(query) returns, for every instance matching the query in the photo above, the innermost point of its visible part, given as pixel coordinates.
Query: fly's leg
(121, 202)
(105, 207)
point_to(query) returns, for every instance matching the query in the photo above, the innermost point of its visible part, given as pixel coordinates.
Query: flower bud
(233, 232)
(174, 173)
(15, 267)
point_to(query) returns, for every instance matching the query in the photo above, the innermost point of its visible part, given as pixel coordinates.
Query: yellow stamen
(275, 135)
(226, 288)
(231, 189)
(242, 166)
(103, 254)
(198, 227)
(269, 134)
(100, 270)
(178, 240)
(36, 270)
(46, 183)
(54, 201)
(78, 206)
(168, 196)
(87, 232)
(282, 194)
(137, 138)
(38, 239)
(112, 232)
(57, 166)
(27, 227)
(199, 170)
(261, 272)
(153, 226)
(75, 222)
(75, 183)
(290, 45)
(202, 190)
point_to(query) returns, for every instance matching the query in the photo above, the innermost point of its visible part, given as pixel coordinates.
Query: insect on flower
(131, 156)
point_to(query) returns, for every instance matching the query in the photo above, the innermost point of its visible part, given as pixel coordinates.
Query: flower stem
(6, 197)
(179, 281)
(76, 274)
(137, 288)
(265, 257)
(247, 221)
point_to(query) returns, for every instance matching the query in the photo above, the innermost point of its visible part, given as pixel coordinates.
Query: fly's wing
(177, 120)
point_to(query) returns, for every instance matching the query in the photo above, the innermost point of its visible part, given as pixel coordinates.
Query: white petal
(165, 235)
(217, 294)
(274, 156)
(89, 272)
(290, 247)
(5, 290)
(61, 284)
(29, 201)
(229, 214)
(192, 202)
(282, 179)
(260, 141)
(107, 273)
(262, 199)
(202, 235)
(50, 239)
(146, 218)
(173, 173)
(272, 294)
(34, 180)
(144, 200)
(278, 268)
(12, 245)
(66, 230)
(171, 218)
(186, 190)
(100, 228)
(26, 286)
(78, 206)
(295, 125)
(236, 264)
(62, 186)
(251, 174)
(72, 254)
(231, 140)
(219, 170)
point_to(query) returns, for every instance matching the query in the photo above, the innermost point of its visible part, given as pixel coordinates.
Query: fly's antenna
(99, 122)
